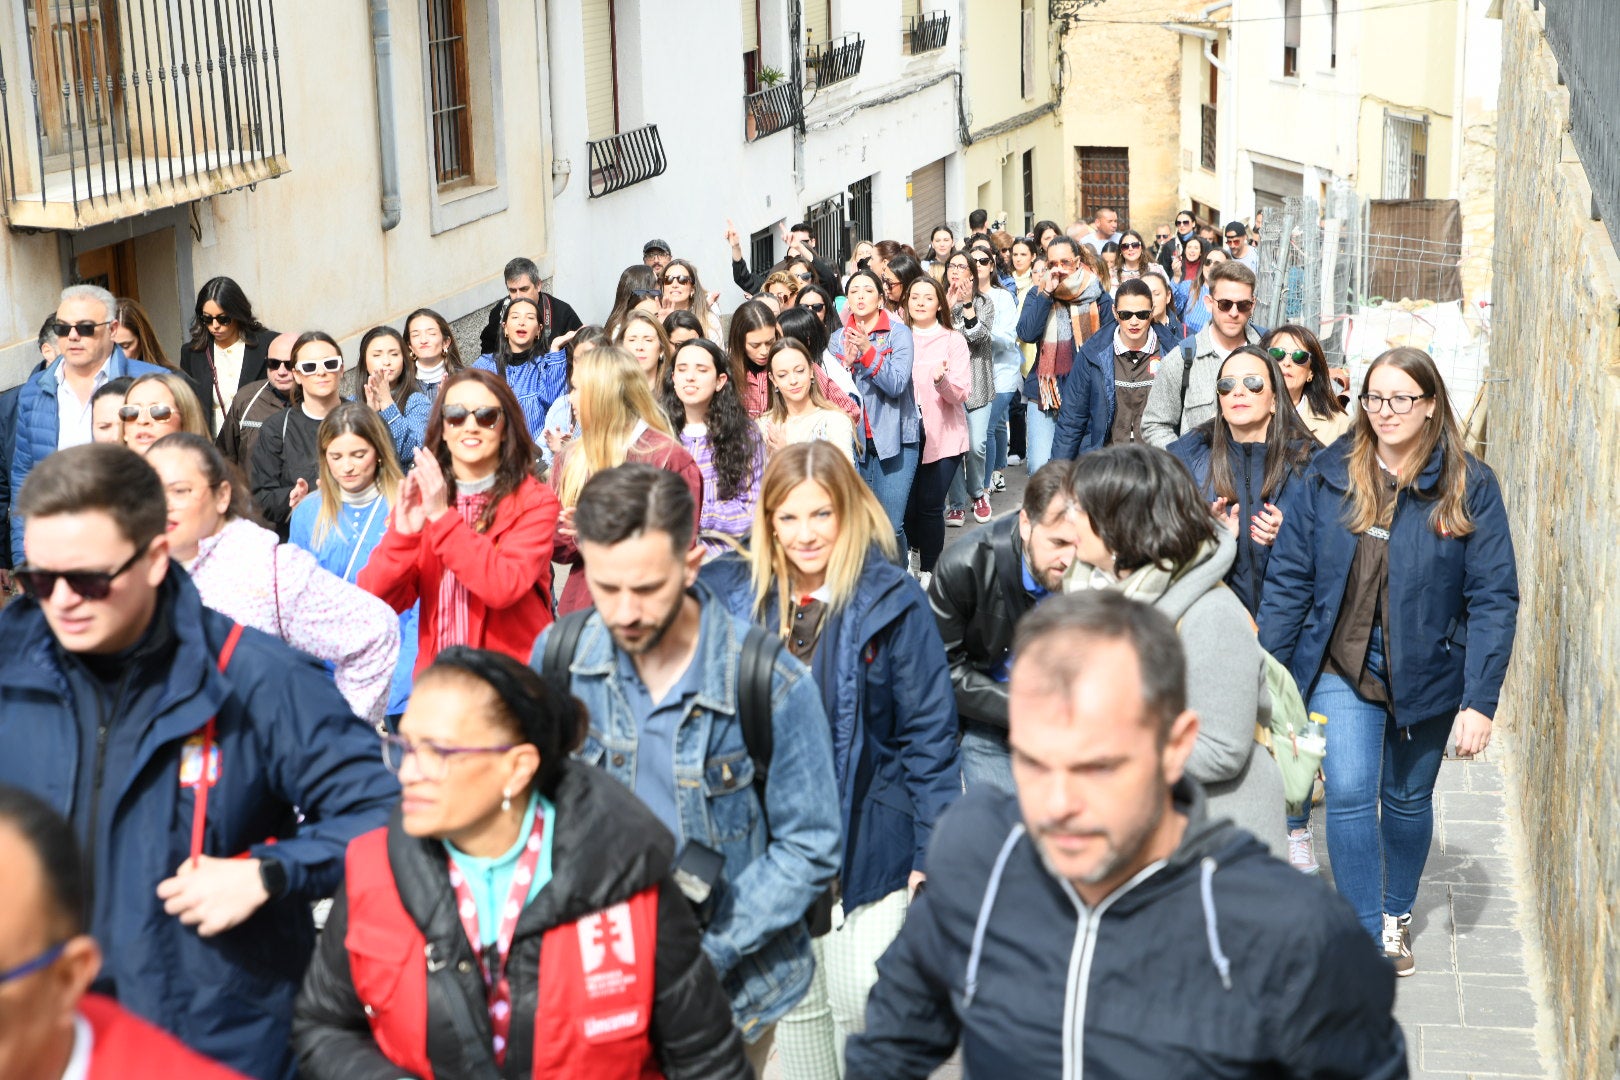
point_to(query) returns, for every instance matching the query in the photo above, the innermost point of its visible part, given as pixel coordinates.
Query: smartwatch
(273, 876)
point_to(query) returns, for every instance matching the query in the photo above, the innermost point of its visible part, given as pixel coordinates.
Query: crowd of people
(611, 704)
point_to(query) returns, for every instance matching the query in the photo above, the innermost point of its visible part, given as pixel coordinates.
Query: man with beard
(1067, 304)
(981, 587)
(1100, 923)
(658, 665)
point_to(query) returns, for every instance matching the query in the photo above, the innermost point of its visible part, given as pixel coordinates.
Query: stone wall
(1555, 440)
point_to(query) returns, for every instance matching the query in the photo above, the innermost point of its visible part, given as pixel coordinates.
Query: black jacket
(751, 283)
(288, 450)
(607, 847)
(198, 366)
(564, 320)
(1221, 963)
(978, 596)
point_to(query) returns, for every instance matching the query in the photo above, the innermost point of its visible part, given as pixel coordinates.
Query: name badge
(191, 763)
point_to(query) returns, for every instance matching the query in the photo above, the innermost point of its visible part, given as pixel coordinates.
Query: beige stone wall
(1555, 440)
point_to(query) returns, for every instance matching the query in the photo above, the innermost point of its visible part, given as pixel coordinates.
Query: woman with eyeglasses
(536, 379)
(242, 570)
(159, 405)
(703, 405)
(1134, 261)
(347, 519)
(1191, 294)
(1299, 353)
(1393, 598)
(897, 278)
(682, 291)
(517, 916)
(286, 459)
(385, 379)
(227, 347)
(972, 313)
(432, 350)
(619, 420)
(1245, 458)
(471, 534)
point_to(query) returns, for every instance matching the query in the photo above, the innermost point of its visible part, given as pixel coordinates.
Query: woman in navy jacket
(1392, 597)
(822, 575)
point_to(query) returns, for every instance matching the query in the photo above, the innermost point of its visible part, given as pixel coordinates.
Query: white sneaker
(1398, 943)
(1014, 459)
(1300, 855)
(924, 577)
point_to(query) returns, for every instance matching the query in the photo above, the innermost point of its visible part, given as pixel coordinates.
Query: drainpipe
(382, 49)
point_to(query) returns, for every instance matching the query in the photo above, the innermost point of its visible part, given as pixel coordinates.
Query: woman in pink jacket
(941, 380)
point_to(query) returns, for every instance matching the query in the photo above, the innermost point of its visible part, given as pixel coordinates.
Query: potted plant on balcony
(768, 114)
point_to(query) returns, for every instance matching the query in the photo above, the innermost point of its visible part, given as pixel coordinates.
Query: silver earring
(506, 801)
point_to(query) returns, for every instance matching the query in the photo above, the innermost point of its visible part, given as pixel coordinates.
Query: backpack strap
(754, 670)
(1188, 355)
(199, 813)
(561, 646)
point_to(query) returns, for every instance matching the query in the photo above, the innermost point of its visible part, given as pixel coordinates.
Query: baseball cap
(655, 245)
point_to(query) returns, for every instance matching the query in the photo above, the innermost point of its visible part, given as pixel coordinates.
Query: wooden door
(111, 267)
(75, 48)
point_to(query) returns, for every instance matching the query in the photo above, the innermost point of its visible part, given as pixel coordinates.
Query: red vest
(125, 1047)
(596, 979)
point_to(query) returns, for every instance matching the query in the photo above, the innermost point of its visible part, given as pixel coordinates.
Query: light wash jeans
(1040, 428)
(986, 761)
(890, 480)
(973, 480)
(1000, 435)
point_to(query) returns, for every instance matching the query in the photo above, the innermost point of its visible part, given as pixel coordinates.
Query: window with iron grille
(826, 221)
(447, 69)
(860, 209)
(761, 251)
(1406, 154)
(1103, 178)
(1290, 38)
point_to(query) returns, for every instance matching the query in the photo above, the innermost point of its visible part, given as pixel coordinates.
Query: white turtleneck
(364, 497)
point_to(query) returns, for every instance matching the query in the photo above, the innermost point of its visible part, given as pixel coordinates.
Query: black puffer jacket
(978, 596)
(607, 847)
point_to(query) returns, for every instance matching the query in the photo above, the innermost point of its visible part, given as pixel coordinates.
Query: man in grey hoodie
(1101, 925)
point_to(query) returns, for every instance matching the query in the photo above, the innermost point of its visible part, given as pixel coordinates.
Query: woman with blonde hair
(159, 405)
(783, 286)
(821, 571)
(1392, 597)
(682, 291)
(619, 421)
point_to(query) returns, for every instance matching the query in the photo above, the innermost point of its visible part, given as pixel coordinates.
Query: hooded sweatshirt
(1218, 962)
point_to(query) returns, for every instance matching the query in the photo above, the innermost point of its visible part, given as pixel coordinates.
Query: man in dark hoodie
(1100, 925)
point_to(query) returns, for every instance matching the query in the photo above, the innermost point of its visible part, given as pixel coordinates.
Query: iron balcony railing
(834, 61)
(927, 32)
(625, 159)
(1583, 34)
(1206, 142)
(776, 108)
(121, 107)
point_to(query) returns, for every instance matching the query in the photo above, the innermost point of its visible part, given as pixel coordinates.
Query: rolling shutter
(927, 203)
(601, 105)
(750, 25)
(817, 21)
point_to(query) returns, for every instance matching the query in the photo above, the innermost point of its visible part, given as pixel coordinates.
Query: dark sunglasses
(802, 276)
(1243, 306)
(85, 328)
(1161, 237)
(1183, 221)
(1145, 314)
(645, 294)
(86, 584)
(1252, 383)
(1130, 245)
(159, 412)
(817, 308)
(217, 320)
(273, 365)
(313, 367)
(1299, 357)
(486, 417)
(677, 279)
(983, 260)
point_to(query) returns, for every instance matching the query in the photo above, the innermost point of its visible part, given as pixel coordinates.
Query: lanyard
(494, 958)
(360, 540)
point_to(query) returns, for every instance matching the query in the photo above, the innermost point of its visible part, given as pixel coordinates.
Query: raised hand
(430, 482)
(296, 495)
(409, 518)
(377, 395)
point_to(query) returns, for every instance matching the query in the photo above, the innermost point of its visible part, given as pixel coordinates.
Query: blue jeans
(1039, 430)
(985, 758)
(996, 446)
(973, 481)
(890, 480)
(1372, 765)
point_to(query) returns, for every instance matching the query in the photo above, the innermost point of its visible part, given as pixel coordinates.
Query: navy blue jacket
(1219, 963)
(1453, 602)
(287, 743)
(1087, 414)
(1032, 320)
(887, 689)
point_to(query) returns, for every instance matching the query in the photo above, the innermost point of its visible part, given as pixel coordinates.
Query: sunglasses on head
(486, 417)
(1243, 306)
(1299, 357)
(158, 412)
(86, 584)
(1130, 245)
(314, 367)
(1144, 314)
(1252, 383)
(677, 279)
(85, 327)
(218, 320)
(273, 365)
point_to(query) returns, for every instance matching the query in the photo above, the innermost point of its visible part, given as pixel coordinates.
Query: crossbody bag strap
(754, 671)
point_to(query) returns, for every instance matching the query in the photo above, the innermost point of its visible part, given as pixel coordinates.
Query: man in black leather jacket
(980, 588)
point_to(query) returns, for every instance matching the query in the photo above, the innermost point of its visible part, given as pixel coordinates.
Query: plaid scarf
(1074, 312)
(453, 628)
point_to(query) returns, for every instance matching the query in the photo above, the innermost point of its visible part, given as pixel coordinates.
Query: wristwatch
(273, 876)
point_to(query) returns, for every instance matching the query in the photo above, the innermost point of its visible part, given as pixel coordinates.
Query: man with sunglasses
(1161, 237)
(1185, 226)
(1183, 394)
(53, 409)
(556, 317)
(1237, 243)
(50, 1026)
(213, 776)
(1106, 392)
(258, 402)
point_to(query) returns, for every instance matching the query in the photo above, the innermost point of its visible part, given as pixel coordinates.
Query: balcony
(628, 158)
(131, 106)
(834, 61)
(926, 32)
(776, 108)
(1206, 140)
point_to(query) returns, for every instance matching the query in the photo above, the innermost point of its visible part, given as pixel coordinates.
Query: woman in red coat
(471, 535)
(619, 421)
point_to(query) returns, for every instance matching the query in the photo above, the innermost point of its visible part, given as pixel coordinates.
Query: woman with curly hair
(701, 397)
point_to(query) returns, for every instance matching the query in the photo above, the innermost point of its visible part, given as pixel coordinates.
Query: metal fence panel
(1583, 35)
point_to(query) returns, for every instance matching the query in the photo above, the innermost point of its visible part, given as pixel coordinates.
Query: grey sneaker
(1398, 943)
(1300, 855)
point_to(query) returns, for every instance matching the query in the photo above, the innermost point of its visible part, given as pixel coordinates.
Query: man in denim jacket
(656, 668)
